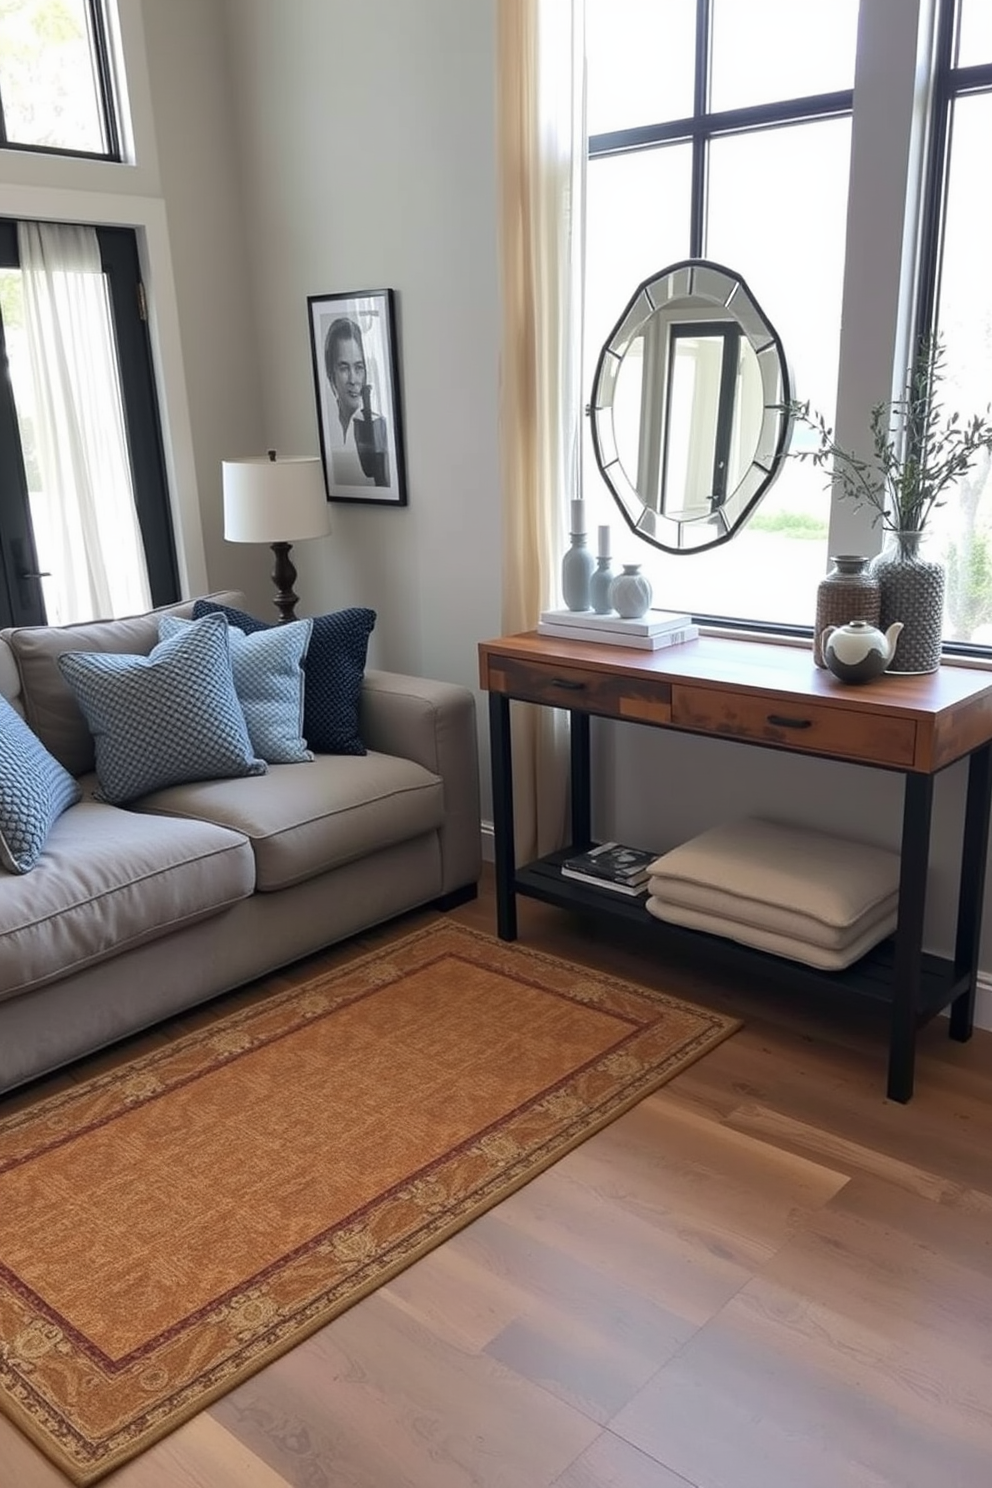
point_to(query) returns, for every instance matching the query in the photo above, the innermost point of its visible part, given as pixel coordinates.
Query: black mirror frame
(711, 285)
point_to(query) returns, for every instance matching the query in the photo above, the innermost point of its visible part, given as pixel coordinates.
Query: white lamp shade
(281, 500)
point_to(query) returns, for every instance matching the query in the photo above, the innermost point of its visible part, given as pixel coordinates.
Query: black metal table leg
(917, 811)
(504, 847)
(581, 782)
(971, 889)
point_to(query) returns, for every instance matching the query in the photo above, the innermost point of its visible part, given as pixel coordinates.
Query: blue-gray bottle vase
(576, 573)
(600, 585)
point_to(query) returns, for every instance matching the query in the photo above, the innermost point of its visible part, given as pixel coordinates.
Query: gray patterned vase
(912, 590)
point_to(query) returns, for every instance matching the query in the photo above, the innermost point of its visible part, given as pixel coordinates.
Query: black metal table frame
(952, 983)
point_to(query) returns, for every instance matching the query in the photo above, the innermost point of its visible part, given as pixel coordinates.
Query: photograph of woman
(352, 343)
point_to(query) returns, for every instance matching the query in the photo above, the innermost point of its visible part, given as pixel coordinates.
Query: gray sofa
(135, 913)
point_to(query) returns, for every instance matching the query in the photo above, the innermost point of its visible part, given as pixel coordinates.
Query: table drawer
(563, 685)
(840, 732)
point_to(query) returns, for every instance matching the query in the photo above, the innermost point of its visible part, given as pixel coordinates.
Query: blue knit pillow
(34, 791)
(334, 668)
(165, 718)
(268, 679)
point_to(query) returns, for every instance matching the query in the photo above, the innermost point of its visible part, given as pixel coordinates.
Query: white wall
(368, 162)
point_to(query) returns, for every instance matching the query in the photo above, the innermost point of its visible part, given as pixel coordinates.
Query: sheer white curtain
(541, 146)
(86, 528)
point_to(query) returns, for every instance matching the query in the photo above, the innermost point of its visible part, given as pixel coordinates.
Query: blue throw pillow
(165, 718)
(334, 668)
(34, 791)
(268, 679)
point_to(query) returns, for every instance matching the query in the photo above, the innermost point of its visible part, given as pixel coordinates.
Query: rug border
(724, 1027)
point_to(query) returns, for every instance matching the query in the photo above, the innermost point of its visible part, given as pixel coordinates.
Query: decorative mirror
(689, 425)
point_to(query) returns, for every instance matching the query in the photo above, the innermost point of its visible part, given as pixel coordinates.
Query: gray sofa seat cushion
(305, 819)
(108, 880)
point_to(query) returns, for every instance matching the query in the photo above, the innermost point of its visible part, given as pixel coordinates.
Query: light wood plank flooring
(764, 1276)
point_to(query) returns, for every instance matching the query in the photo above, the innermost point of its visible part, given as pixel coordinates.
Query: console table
(773, 696)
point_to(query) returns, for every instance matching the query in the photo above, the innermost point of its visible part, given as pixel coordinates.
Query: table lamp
(279, 502)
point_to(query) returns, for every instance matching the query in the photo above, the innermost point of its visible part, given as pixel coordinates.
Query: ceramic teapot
(858, 652)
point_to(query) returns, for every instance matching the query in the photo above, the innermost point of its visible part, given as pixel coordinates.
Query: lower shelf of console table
(771, 697)
(871, 978)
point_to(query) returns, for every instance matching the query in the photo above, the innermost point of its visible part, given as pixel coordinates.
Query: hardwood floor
(764, 1276)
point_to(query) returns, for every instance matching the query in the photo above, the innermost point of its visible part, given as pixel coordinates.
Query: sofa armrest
(433, 724)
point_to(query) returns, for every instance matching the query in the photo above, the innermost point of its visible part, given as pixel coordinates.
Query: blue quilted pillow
(334, 668)
(165, 718)
(34, 791)
(268, 679)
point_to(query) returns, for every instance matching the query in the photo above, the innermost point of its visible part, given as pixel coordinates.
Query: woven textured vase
(912, 590)
(849, 592)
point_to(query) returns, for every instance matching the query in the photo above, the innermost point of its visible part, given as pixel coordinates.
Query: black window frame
(99, 40)
(950, 82)
(20, 592)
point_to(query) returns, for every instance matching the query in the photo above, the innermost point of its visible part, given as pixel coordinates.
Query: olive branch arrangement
(917, 451)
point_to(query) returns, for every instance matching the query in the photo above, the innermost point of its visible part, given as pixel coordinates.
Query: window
(85, 525)
(956, 298)
(56, 79)
(778, 139)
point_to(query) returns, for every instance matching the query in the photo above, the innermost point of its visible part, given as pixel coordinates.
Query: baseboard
(983, 1000)
(983, 996)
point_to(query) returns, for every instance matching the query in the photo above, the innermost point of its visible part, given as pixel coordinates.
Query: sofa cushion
(302, 820)
(334, 667)
(164, 718)
(268, 679)
(47, 699)
(108, 880)
(34, 792)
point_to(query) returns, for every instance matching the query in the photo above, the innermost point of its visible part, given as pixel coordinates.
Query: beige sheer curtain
(541, 146)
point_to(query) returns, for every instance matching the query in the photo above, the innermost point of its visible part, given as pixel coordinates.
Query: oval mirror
(688, 424)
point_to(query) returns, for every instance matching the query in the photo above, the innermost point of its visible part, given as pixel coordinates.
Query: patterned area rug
(170, 1227)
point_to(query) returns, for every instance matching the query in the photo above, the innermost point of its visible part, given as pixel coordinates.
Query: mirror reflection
(687, 423)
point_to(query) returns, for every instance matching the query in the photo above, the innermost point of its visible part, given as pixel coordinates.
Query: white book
(652, 623)
(655, 642)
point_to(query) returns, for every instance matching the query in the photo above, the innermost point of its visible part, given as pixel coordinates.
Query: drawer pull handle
(793, 723)
(568, 684)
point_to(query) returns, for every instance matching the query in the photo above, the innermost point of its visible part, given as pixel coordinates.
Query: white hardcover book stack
(650, 632)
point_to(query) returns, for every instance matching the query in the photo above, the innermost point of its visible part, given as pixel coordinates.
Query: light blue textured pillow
(34, 790)
(268, 679)
(165, 718)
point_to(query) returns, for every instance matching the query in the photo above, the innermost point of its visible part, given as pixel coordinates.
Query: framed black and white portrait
(356, 381)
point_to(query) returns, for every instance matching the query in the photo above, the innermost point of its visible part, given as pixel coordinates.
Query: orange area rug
(170, 1227)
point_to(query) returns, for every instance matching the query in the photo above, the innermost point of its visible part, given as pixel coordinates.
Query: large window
(56, 78)
(85, 524)
(957, 297)
(783, 139)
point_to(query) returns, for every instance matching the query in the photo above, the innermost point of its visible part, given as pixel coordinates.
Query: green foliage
(917, 452)
(969, 585)
(792, 524)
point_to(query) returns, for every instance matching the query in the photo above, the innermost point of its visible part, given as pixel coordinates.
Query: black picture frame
(353, 350)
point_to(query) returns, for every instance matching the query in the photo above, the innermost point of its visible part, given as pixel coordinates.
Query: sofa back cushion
(47, 699)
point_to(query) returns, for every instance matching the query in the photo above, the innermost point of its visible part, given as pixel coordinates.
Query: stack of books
(613, 866)
(652, 631)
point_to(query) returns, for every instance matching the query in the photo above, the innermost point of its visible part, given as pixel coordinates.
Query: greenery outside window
(57, 91)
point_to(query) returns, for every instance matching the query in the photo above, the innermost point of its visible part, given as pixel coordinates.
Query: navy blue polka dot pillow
(334, 667)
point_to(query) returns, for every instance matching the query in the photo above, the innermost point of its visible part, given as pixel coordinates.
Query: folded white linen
(779, 945)
(820, 887)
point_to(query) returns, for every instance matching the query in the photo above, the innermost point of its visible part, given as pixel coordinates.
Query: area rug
(168, 1228)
